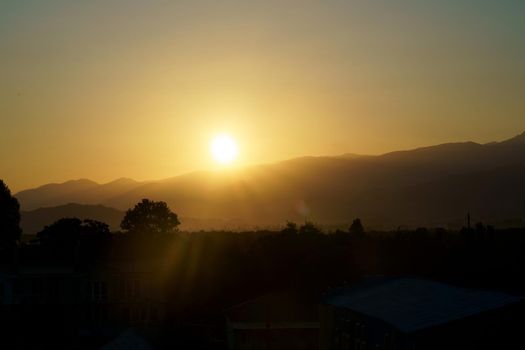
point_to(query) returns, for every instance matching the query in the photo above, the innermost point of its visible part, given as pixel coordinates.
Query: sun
(223, 149)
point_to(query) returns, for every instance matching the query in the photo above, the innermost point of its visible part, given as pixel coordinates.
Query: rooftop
(277, 307)
(412, 304)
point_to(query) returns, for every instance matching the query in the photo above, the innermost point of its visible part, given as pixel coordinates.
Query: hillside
(80, 191)
(35, 220)
(427, 186)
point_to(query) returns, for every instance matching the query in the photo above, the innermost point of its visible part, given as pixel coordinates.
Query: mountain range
(33, 221)
(430, 186)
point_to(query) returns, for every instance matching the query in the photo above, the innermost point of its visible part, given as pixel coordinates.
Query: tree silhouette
(9, 217)
(291, 228)
(309, 228)
(357, 227)
(150, 217)
(69, 231)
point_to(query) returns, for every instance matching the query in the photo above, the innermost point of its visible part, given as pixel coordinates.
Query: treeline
(207, 272)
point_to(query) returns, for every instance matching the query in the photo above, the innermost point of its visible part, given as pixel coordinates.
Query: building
(63, 301)
(275, 321)
(124, 294)
(407, 313)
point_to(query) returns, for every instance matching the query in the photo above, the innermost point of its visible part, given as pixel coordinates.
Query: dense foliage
(150, 218)
(70, 231)
(9, 217)
(205, 273)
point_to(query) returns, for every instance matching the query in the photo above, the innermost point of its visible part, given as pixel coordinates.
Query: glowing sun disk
(223, 149)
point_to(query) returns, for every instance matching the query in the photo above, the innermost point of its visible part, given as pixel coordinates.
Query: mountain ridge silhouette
(413, 187)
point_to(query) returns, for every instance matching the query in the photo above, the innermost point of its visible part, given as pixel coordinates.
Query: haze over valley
(433, 186)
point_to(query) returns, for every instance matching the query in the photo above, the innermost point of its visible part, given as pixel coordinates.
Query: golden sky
(105, 89)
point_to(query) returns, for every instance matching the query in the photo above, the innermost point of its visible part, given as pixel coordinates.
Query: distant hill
(427, 186)
(35, 220)
(80, 191)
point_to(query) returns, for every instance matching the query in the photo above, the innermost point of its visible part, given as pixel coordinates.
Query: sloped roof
(128, 340)
(412, 304)
(278, 307)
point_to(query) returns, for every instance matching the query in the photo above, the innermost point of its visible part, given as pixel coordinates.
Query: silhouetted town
(78, 285)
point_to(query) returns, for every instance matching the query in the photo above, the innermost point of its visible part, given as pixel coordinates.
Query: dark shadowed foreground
(178, 290)
(78, 285)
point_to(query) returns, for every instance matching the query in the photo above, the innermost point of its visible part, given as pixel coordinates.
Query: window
(357, 330)
(126, 314)
(132, 288)
(128, 291)
(154, 314)
(136, 288)
(103, 290)
(96, 313)
(97, 290)
(360, 344)
(104, 314)
(143, 314)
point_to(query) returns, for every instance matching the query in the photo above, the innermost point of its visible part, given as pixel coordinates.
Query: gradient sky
(102, 89)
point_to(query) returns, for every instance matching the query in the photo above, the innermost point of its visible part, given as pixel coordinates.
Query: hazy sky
(104, 88)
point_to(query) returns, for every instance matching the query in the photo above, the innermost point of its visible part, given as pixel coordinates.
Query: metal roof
(128, 340)
(283, 307)
(412, 304)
